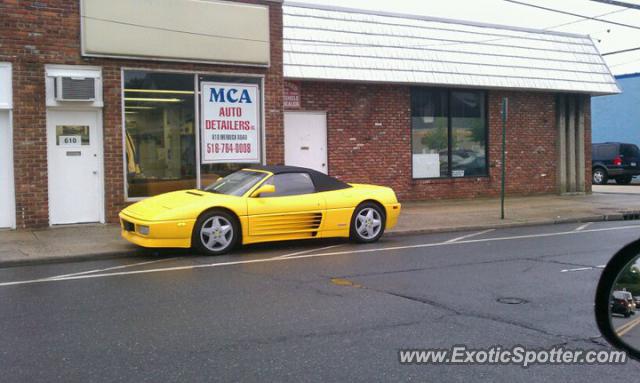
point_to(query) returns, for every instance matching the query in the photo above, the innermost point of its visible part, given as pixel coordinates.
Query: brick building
(415, 102)
(105, 103)
(138, 127)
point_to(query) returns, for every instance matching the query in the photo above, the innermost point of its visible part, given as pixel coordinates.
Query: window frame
(449, 91)
(273, 177)
(195, 74)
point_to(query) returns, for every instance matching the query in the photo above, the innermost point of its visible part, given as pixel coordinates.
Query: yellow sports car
(261, 204)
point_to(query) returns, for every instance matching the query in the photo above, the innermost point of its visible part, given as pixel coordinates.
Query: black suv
(615, 160)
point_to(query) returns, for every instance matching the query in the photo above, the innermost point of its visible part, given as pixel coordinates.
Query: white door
(74, 141)
(7, 199)
(305, 140)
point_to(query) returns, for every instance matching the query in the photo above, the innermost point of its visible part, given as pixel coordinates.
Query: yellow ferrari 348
(261, 204)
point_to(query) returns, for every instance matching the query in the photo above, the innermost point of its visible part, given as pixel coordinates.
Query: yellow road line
(625, 328)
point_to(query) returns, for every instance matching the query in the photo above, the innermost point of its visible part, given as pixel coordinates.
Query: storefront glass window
(430, 133)
(468, 134)
(159, 132)
(448, 133)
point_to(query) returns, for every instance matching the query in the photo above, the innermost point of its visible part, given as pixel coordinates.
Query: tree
(437, 138)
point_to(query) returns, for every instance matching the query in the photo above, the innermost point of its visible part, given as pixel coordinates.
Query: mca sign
(230, 125)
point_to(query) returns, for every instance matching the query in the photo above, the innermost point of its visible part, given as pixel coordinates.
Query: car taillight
(617, 161)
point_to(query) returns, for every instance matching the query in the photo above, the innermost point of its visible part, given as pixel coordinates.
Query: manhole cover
(512, 301)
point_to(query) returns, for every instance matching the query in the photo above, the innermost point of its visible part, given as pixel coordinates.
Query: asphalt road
(628, 329)
(313, 311)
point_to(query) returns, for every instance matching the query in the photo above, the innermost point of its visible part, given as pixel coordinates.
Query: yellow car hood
(184, 204)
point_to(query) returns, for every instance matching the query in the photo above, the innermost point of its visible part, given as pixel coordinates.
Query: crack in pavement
(456, 312)
(250, 343)
(541, 259)
(425, 268)
(597, 340)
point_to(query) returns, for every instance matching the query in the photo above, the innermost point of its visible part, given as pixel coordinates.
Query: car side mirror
(617, 295)
(265, 188)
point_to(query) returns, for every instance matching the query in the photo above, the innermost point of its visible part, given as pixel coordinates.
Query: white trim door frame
(305, 140)
(7, 183)
(7, 178)
(75, 169)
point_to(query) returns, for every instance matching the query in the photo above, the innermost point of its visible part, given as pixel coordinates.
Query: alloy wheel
(368, 223)
(216, 233)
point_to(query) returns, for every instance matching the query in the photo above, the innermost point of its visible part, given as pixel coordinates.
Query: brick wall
(369, 141)
(368, 125)
(36, 33)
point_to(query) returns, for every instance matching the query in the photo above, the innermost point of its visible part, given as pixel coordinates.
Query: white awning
(341, 44)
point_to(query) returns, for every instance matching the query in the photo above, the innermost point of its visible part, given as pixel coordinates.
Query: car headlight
(144, 230)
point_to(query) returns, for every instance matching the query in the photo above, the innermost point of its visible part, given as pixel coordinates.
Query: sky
(607, 37)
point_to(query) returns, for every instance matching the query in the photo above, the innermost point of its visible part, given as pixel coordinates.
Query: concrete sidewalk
(435, 216)
(103, 241)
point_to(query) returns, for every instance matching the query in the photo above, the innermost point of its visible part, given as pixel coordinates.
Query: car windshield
(622, 294)
(236, 183)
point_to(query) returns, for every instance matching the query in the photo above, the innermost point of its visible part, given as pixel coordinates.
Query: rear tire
(367, 223)
(216, 232)
(599, 176)
(623, 180)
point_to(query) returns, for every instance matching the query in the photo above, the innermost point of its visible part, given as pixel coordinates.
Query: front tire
(367, 223)
(215, 233)
(599, 176)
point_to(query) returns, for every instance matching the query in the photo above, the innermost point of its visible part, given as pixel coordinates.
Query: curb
(137, 252)
(593, 218)
(74, 258)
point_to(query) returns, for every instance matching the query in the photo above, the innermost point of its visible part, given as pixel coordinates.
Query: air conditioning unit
(75, 88)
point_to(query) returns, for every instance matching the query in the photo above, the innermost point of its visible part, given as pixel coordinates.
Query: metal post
(505, 107)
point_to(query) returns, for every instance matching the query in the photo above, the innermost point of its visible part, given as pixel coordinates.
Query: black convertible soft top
(321, 181)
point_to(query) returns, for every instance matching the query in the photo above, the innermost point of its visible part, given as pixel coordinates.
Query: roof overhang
(348, 45)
